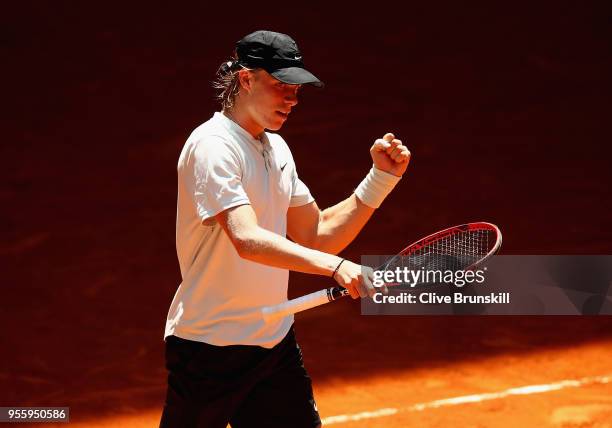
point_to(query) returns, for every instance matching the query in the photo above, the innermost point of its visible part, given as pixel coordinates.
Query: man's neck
(243, 120)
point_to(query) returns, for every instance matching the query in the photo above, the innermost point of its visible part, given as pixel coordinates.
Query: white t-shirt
(221, 295)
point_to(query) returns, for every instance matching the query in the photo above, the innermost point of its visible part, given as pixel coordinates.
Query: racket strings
(453, 252)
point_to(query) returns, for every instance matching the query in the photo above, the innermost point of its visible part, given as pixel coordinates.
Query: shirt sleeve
(218, 178)
(300, 194)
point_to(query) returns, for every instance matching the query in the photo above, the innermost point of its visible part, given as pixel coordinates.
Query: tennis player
(239, 196)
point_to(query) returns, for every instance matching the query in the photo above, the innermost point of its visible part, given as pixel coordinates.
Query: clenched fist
(390, 155)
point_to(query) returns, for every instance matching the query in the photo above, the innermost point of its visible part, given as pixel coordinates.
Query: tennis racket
(457, 248)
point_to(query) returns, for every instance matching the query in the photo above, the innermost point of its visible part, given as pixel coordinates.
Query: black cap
(276, 53)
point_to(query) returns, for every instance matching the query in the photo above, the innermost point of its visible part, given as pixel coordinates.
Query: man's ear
(245, 77)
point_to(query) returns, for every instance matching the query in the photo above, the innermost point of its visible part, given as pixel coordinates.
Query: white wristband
(373, 190)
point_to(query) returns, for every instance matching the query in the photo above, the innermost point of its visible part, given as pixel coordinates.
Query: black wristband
(337, 267)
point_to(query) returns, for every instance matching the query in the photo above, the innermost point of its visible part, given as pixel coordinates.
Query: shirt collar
(230, 125)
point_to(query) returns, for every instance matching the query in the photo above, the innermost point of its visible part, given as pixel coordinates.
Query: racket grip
(303, 303)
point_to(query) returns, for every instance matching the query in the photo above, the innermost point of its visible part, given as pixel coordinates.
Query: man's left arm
(332, 229)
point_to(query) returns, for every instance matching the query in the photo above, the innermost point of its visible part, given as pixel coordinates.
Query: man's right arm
(257, 244)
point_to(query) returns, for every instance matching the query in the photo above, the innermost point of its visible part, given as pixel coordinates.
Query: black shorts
(247, 386)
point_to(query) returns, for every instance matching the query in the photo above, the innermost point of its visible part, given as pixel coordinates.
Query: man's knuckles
(389, 136)
(393, 145)
(381, 145)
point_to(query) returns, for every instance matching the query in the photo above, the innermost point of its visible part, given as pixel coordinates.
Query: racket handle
(300, 304)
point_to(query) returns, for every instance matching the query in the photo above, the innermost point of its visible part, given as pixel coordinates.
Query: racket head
(459, 247)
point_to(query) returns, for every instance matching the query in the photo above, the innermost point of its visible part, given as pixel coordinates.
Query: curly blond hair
(227, 82)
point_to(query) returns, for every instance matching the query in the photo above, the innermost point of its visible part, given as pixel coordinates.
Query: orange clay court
(472, 372)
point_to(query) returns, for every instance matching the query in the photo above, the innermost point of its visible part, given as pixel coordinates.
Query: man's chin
(275, 127)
